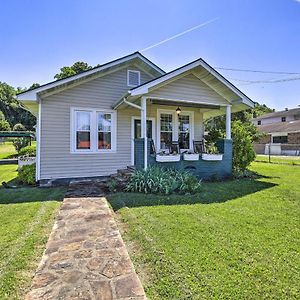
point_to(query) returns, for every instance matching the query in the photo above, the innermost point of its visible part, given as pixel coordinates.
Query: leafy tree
(243, 132)
(13, 111)
(76, 68)
(34, 86)
(19, 127)
(2, 117)
(4, 125)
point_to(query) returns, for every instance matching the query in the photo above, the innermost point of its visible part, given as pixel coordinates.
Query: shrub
(4, 125)
(156, 180)
(20, 143)
(28, 151)
(243, 152)
(26, 174)
(19, 127)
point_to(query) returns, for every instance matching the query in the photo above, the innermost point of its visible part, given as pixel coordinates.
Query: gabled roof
(292, 126)
(293, 111)
(144, 88)
(207, 74)
(32, 94)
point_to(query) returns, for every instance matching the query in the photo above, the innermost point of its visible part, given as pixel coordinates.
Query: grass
(235, 240)
(291, 160)
(27, 216)
(7, 150)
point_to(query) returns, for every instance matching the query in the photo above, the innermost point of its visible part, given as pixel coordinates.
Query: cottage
(129, 112)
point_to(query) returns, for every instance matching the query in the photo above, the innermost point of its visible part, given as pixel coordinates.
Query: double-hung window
(166, 130)
(184, 128)
(93, 131)
(173, 127)
(83, 130)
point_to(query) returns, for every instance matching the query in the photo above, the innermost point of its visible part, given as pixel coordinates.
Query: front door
(137, 133)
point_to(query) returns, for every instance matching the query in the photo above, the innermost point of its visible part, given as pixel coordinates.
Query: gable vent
(133, 78)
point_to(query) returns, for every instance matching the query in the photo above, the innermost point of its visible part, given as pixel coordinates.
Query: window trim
(93, 131)
(175, 129)
(139, 78)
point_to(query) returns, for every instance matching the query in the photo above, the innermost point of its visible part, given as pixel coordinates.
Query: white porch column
(228, 122)
(144, 129)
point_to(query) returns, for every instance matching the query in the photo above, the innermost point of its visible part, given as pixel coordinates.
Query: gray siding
(56, 159)
(188, 88)
(100, 93)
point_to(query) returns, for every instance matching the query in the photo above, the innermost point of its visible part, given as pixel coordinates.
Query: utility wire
(266, 81)
(257, 71)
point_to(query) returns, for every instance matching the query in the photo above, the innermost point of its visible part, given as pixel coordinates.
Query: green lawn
(7, 150)
(235, 240)
(26, 216)
(291, 160)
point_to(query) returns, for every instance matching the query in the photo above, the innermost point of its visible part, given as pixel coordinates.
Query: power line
(257, 71)
(266, 81)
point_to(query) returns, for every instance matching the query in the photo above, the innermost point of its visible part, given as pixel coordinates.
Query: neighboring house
(282, 130)
(94, 123)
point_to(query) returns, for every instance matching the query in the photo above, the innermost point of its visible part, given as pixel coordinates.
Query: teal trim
(201, 168)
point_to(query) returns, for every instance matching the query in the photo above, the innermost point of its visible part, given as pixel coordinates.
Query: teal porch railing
(201, 168)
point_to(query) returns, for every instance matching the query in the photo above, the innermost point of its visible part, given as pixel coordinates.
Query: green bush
(28, 151)
(156, 180)
(19, 127)
(243, 152)
(4, 125)
(20, 143)
(26, 174)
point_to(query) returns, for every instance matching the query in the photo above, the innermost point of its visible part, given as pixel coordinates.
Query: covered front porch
(172, 130)
(176, 105)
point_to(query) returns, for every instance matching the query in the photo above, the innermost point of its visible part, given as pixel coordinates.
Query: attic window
(133, 78)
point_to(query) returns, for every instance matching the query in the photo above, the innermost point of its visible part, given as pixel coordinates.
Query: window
(83, 130)
(166, 130)
(259, 122)
(280, 139)
(133, 78)
(184, 131)
(175, 128)
(93, 131)
(104, 130)
(283, 119)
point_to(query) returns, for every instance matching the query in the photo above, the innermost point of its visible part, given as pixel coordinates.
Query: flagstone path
(85, 257)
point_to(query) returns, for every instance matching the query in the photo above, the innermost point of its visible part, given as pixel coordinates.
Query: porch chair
(199, 146)
(174, 147)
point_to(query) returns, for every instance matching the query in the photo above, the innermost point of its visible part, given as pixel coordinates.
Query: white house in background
(93, 123)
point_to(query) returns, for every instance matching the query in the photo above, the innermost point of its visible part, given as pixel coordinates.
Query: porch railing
(201, 168)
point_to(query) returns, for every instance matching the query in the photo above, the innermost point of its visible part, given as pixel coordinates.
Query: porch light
(178, 110)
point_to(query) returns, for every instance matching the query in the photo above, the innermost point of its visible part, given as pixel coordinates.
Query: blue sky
(39, 37)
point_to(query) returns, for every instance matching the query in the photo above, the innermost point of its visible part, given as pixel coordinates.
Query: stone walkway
(85, 257)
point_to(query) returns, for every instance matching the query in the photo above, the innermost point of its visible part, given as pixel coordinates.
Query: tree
(19, 127)
(13, 111)
(243, 132)
(76, 68)
(4, 125)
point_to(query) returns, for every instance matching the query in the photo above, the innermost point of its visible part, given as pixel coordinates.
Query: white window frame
(93, 131)
(139, 78)
(175, 129)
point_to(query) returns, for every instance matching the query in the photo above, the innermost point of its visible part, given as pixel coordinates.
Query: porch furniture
(199, 146)
(174, 147)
